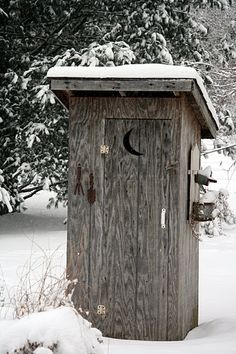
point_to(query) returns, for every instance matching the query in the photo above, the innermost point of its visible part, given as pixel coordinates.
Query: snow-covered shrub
(222, 213)
(5, 198)
(59, 331)
(42, 285)
(43, 320)
(108, 54)
(2, 293)
(49, 292)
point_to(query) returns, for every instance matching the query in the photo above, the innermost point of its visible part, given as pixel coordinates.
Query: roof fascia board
(75, 84)
(62, 87)
(208, 122)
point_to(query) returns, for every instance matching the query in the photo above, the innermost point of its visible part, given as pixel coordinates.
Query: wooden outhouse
(134, 137)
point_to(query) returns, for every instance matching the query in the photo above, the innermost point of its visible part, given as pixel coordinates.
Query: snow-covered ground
(28, 238)
(60, 328)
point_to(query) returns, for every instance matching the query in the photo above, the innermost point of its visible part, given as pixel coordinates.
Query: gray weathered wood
(174, 217)
(78, 208)
(203, 114)
(85, 220)
(152, 256)
(120, 229)
(64, 87)
(188, 245)
(145, 276)
(193, 187)
(75, 84)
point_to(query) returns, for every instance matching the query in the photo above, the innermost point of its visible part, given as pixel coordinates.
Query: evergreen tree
(37, 35)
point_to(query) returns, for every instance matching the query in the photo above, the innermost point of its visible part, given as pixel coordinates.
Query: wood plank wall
(188, 245)
(174, 220)
(86, 134)
(85, 222)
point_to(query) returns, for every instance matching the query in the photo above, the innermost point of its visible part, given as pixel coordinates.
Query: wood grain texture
(193, 186)
(63, 87)
(85, 220)
(120, 228)
(152, 257)
(174, 220)
(205, 118)
(183, 247)
(183, 85)
(130, 107)
(188, 244)
(78, 232)
(145, 276)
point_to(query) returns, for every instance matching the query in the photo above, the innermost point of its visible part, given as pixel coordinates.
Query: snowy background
(27, 239)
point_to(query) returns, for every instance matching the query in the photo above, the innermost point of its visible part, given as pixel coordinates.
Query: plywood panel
(145, 277)
(78, 209)
(188, 244)
(193, 186)
(183, 247)
(152, 257)
(136, 189)
(130, 107)
(120, 229)
(174, 221)
(85, 218)
(83, 84)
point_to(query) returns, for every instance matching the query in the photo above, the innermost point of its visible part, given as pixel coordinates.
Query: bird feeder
(203, 211)
(134, 138)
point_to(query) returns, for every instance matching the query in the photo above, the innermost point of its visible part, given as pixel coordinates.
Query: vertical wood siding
(120, 229)
(174, 221)
(152, 257)
(117, 250)
(188, 244)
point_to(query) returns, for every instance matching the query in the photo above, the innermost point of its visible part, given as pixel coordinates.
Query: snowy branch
(217, 149)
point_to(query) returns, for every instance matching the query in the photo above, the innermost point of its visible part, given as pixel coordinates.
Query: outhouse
(134, 138)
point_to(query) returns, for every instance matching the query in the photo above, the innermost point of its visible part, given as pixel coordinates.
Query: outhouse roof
(138, 77)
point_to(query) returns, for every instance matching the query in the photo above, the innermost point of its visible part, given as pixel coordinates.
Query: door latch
(163, 218)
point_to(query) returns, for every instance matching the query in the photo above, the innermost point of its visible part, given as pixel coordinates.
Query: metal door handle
(163, 218)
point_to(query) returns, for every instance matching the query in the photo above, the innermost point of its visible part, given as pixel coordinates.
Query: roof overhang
(143, 78)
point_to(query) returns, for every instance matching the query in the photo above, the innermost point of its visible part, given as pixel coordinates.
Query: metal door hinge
(104, 149)
(101, 310)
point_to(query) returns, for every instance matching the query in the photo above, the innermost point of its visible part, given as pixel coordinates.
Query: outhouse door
(134, 287)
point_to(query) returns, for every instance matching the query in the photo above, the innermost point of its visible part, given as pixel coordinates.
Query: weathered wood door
(134, 273)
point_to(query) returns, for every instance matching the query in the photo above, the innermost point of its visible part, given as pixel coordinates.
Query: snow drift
(62, 328)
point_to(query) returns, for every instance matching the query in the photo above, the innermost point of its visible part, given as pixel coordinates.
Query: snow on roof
(134, 71)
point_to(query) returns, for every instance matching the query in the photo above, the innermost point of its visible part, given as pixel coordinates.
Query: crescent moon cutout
(127, 145)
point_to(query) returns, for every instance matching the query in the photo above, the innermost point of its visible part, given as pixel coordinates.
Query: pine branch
(38, 188)
(62, 24)
(217, 149)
